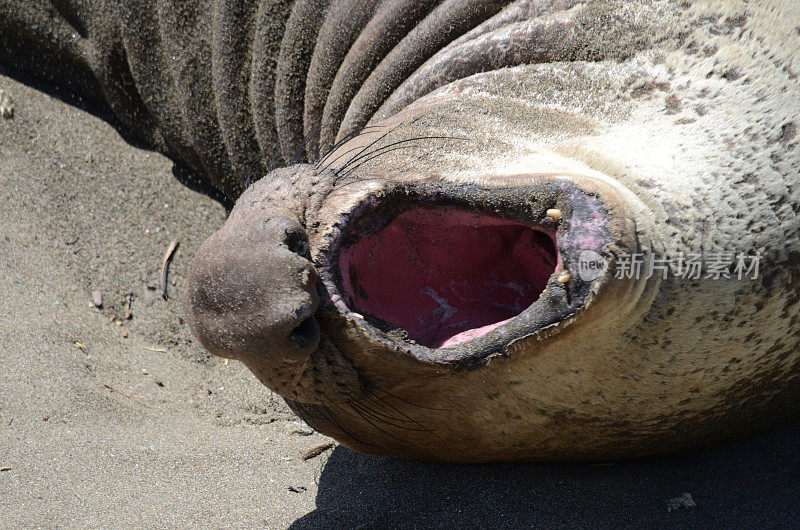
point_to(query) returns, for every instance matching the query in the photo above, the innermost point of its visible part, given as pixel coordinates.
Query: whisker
(351, 170)
(421, 427)
(360, 409)
(358, 403)
(342, 155)
(390, 435)
(373, 386)
(369, 146)
(301, 148)
(325, 413)
(332, 419)
(347, 138)
(361, 156)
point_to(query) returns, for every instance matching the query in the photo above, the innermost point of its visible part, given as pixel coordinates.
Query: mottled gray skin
(656, 126)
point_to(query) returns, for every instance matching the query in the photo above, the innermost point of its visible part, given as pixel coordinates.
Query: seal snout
(252, 294)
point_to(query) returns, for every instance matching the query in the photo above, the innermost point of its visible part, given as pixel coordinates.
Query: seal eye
(446, 275)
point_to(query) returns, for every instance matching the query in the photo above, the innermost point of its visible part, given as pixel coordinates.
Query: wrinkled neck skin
(655, 149)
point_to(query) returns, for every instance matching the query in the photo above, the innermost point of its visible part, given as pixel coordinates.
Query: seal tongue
(447, 275)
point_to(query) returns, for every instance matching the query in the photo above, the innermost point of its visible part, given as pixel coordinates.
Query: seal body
(421, 283)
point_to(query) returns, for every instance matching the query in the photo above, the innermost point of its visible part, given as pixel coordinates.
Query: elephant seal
(489, 249)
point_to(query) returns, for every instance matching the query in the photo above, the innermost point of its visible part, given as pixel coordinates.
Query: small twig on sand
(165, 267)
(386, 484)
(128, 302)
(121, 392)
(161, 350)
(5, 468)
(316, 451)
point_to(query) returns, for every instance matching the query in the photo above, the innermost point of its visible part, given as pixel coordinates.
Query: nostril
(297, 242)
(306, 334)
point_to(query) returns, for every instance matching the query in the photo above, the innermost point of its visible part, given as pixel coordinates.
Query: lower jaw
(452, 273)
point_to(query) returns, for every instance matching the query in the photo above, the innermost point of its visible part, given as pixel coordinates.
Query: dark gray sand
(130, 423)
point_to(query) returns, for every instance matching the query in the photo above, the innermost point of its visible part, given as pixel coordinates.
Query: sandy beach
(115, 416)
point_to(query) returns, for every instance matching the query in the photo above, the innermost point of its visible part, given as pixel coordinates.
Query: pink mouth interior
(447, 275)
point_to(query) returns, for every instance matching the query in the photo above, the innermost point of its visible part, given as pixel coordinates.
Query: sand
(130, 423)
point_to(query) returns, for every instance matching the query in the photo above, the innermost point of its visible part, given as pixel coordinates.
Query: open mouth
(447, 275)
(454, 274)
(443, 272)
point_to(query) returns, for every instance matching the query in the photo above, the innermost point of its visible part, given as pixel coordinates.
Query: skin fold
(657, 127)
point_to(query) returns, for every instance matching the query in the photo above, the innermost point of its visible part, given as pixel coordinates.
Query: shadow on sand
(753, 482)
